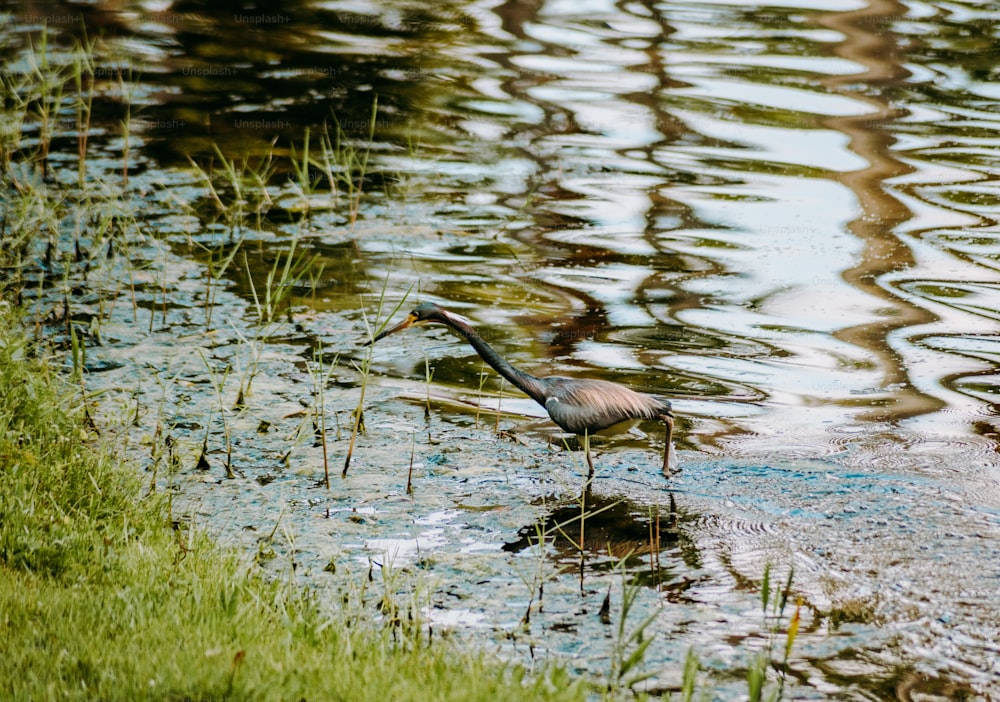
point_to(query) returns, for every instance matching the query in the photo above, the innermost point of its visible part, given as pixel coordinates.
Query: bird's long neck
(529, 384)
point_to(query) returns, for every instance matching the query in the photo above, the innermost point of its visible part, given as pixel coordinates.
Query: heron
(580, 406)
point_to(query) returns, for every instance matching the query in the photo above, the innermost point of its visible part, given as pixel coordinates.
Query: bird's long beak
(405, 324)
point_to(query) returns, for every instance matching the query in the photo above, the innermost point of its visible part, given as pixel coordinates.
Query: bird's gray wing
(592, 405)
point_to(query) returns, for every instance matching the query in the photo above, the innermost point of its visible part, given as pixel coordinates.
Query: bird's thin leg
(669, 422)
(590, 462)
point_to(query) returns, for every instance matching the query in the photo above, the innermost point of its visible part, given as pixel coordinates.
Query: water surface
(782, 215)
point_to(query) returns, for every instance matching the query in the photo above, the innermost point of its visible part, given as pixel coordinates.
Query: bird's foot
(673, 465)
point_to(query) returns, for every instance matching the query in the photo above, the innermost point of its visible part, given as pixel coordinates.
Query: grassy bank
(101, 597)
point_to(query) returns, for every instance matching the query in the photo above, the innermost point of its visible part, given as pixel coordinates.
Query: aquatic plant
(379, 322)
(285, 273)
(401, 602)
(242, 189)
(654, 539)
(762, 660)
(483, 377)
(497, 414)
(161, 443)
(218, 259)
(539, 574)
(345, 164)
(306, 179)
(126, 86)
(218, 378)
(246, 370)
(428, 376)
(320, 379)
(409, 471)
(82, 76)
(46, 97)
(79, 355)
(630, 643)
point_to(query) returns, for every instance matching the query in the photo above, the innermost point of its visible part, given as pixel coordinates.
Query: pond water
(782, 215)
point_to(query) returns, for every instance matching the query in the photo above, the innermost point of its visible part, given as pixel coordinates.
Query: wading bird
(581, 406)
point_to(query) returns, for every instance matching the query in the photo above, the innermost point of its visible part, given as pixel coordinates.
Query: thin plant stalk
(537, 581)
(762, 660)
(79, 350)
(303, 170)
(345, 164)
(428, 376)
(213, 272)
(479, 391)
(284, 275)
(690, 678)
(356, 204)
(629, 649)
(50, 98)
(218, 384)
(409, 472)
(322, 427)
(365, 368)
(320, 382)
(496, 423)
(83, 79)
(358, 413)
(127, 86)
(654, 544)
(583, 524)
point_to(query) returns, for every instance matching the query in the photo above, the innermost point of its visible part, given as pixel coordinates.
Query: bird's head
(424, 313)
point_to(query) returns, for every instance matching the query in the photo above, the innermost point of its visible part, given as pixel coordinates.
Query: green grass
(102, 596)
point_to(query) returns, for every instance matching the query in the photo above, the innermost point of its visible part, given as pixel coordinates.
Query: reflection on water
(784, 215)
(868, 44)
(612, 532)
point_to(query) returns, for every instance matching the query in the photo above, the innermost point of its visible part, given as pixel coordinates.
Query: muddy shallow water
(783, 216)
